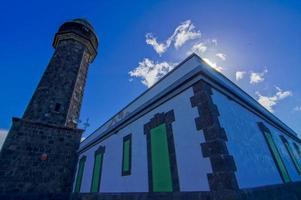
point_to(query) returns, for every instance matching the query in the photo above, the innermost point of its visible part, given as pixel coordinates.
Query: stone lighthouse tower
(39, 154)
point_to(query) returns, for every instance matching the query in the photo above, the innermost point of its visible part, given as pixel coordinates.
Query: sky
(256, 44)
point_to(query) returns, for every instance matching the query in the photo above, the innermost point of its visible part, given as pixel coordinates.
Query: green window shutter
(291, 154)
(297, 148)
(161, 171)
(80, 173)
(97, 169)
(127, 155)
(277, 157)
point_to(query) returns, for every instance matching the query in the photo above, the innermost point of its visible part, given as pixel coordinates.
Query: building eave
(204, 71)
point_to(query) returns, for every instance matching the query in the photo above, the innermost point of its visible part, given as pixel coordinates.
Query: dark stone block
(220, 181)
(222, 163)
(209, 108)
(226, 195)
(201, 86)
(214, 132)
(169, 117)
(214, 148)
(199, 98)
(203, 121)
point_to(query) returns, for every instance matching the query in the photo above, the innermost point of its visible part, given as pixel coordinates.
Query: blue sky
(256, 44)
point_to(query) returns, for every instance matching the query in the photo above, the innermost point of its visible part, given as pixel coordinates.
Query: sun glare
(213, 65)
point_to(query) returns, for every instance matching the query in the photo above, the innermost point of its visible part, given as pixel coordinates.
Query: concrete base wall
(291, 191)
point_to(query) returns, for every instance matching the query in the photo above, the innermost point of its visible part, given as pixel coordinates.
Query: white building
(193, 131)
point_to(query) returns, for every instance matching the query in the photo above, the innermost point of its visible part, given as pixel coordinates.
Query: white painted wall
(192, 167)
(254, 162)
(177, 73)
(246, 143)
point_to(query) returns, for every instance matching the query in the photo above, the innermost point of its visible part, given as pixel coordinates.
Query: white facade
(253, 159)
(246, 143)
(192, 167)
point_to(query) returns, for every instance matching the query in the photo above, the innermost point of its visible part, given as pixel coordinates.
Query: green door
(97, 169)
(96, 172)
(80, 173)
(160, 160)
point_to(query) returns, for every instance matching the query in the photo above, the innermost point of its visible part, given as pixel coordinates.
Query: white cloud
(239, 75)
(160, 48)
(183, 33)
(283, 94)
(186, 31)
(297, 108)
(82, 139)
(257, 77)
(213, 65)
(270, 101)
(3, 134)
(221, 56)
(267, 102)
(150, 72)
(198, 48)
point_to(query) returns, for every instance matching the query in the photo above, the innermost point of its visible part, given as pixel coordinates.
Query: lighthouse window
(57, 107)
(127, 154)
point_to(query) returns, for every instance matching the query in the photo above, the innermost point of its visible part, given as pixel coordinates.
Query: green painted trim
(277, 157)
(97, 169)
(298, 150)
(158, 119)
(291, 154)
(127, 155)
(275, 153)
(161, 171)
(79, 177)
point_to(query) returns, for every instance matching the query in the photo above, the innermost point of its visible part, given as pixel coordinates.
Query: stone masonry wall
(62, 83)
(222, 180)
(29, 149)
